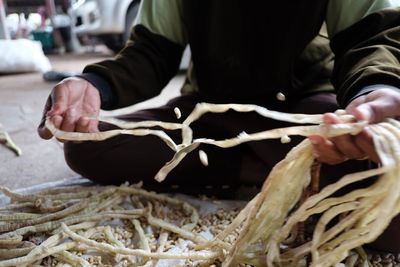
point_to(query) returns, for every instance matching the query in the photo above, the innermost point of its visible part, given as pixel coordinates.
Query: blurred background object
(58, 24)
(107, 21)
(47, 21)
(4, 34)
(22, 55)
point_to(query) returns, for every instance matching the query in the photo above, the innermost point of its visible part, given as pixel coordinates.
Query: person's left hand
(373, 108)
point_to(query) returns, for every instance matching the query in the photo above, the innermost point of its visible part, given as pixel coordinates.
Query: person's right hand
(71, 106)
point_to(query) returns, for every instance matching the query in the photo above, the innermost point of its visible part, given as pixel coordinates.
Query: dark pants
(129, 158)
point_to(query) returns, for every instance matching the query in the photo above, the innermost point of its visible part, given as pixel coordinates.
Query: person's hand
(71, 106)
(373, 108)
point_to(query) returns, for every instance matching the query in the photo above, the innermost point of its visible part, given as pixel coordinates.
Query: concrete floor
(22, 97)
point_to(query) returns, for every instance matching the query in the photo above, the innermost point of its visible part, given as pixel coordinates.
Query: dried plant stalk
(201, 255)
(8, 142)
(103, 204)
(15, 252)
(174, 229)
(72, 259)
(34, 257)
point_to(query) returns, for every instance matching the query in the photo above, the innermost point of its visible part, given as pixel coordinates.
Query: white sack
(22, 56)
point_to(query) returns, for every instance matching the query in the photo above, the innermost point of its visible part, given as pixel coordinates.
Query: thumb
(42, 131)
(363, 112)
(360, 109)
(45, 133)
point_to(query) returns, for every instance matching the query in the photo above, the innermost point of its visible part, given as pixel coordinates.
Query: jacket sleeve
(148, 61)
(365, 38)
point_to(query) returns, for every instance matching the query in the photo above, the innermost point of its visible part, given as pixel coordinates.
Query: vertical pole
(51, 8)
(52, 12)
(4, 34)
(73, 44)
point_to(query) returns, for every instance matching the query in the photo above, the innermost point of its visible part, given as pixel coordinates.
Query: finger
(93, 126)
(365, 143)
(363, 112)
(331, 118)
(42, 131)
(380, 109)
(69, 120)
(46, 109)
(355, 103)
(360, 109)
(348, 147)
(345, 144)
(325, 151)
(57, 121)
(82, 125)
(376, 110)
(60, 100)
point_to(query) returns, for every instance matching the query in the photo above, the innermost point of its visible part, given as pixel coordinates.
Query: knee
(117, 160)
(316, 104)
(86, 160)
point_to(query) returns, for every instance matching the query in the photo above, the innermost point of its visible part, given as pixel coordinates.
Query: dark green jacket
(247, 50)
